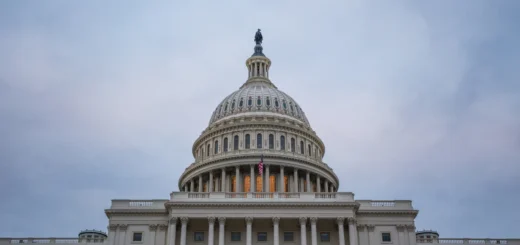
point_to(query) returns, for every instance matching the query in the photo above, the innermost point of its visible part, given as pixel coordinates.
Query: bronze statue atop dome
(258, 37)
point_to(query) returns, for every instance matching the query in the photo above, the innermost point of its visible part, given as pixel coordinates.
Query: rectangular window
(325, 236)
(262, 236)
(288, 236)
(137, 237)
(236, 236)
(198, 236)
(385, 237)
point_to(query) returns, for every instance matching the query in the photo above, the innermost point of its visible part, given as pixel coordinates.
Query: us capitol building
(259, 178)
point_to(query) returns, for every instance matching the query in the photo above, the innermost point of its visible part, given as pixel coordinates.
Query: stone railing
(33, 240)
(138, 204)
(469, 241)
(385, 204)
(260, 197)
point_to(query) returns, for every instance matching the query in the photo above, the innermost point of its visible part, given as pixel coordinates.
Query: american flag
(261, 165)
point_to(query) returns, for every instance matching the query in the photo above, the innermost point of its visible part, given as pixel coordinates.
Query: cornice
(352, 205)
(135, 212)
(411, 213)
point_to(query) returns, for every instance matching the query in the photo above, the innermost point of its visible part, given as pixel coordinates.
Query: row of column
(353, 234)
(222, 182)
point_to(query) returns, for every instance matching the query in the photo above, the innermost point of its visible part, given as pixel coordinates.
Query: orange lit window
(259, 183)
(247, 183)
(314, 187)
(205, 187)
(286, 183)
(272, 183)
(233, 184)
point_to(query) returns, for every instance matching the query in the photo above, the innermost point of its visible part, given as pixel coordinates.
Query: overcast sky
(417, 100)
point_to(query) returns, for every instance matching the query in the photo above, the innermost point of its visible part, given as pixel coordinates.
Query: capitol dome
(258, 140)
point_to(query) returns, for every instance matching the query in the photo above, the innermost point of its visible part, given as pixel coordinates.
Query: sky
(415, 100)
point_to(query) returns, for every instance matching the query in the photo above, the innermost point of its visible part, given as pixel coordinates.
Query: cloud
(413, 101)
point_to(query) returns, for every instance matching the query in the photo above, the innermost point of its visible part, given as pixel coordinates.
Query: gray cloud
(413, 101)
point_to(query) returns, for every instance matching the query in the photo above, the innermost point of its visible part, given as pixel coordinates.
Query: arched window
(241, 103)
(282, 142)
(259, 141)
(302, 147)
(225, 144)
(235, 143)
(293, 143)
(248, 141)
(309, 148)
(216, 146)
(259, 101)
(271, 141)
(250, 101)
(207, 152)
(267, 102)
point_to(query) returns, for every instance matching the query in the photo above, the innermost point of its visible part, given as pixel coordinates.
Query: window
(235, 143)
(325, 236)
(288, 236)
(268, 102)
(309, 148)
(271, 141)
(290, 104)
(301, 147)
(225, 144)
(208, 150)
(292, 145)
(282, 142)
(241, 103)
(216, 146)
(225, 108)
(137, 237)
(259, 101)
(276, 104)
(250, 101)
(262, 236)
(198, 236)
(259, 141)
(233, 105)
(284, 104)
(248, 141)
(385, 237)
(236, 236)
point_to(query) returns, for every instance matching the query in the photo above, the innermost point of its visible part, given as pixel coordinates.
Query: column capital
(163, 227)
(352, 221)
(361, 227)
(211, 220)
(112, 227)
(410, 228)
(184, 220)
(276, 220)
(371, 228)
(152, 227)
(173, 220)
(313, 220)
(123, 227)
(249, 220)
(400, 228)
(303, 220)
(221, 220)
(340, 220)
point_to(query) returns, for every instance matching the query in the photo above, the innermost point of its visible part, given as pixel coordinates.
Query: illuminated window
(205, 188)
(248, 141)
(247, 183)
(272, 183)
(233, 184)
(314, 187)
(282, 142)
(259, 183)
(259, 141)
(271, 141)
(286, 183)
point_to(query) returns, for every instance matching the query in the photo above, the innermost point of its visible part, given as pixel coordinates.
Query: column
(192, 186)
(341, 230)
(314, 236)
(221, 232)
(210, 185)
(352, 231)
(281, 180)
(276, 233)
(295, 180)
(153, 229)
(122, 234)
(308, 179)
(318, 184)
(400, 234)
(252, 178)
(266, 181)
(112, 234)
(371, 236)
(211, 229)
(326, 186)
(249, 222)
(303, 231)
(185, 188)
(172, 230)
(223, 179)
(237, 178)
(184, 222)
(411, 235)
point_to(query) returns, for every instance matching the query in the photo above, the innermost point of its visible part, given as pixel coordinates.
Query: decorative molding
(303, 220)
(222, 220)
(184, 220)
(112, 227)
(400, 228)
(173, 220)
(410, 228)
(313, 220)
(123, 227)
(351, 205)
(276, 220)
(352, 221)
(361, 227)
(163, 227)
(371, 228)
(340, 220)
(152, 227)
(249, 220)
(211, 220)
